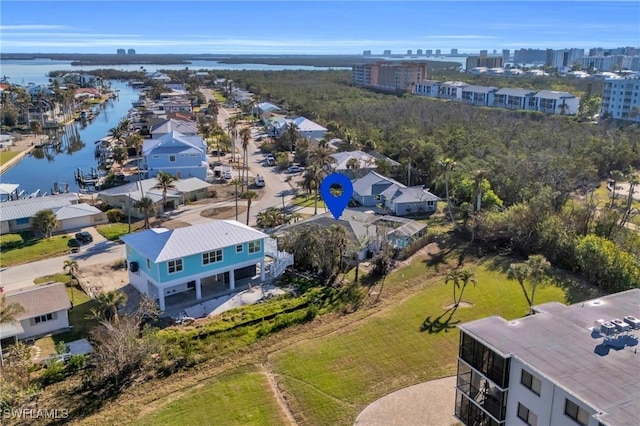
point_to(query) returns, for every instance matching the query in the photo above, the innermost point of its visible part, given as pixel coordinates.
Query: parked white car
(259, 181)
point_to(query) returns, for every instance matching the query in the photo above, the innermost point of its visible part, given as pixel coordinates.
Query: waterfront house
(207, 258)
(126, 196)
(388, 195)
(17, 216)
(177, 154)
(185, 127)
(45, 311)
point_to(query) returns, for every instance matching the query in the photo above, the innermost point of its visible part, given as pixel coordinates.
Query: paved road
(275, 185)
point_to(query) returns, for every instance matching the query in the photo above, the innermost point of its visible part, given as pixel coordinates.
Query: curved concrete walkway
(429, 404)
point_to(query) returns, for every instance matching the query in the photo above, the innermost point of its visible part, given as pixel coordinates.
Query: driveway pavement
(426, 404)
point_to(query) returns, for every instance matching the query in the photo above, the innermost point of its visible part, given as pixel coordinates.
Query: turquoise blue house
(208, 257)
(177, 154)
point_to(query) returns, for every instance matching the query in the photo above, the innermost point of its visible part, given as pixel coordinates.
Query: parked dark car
(73, 244)
(84, 237)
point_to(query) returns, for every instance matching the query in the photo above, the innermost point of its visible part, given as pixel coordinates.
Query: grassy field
(35, 249)
(329, 379)
(307, 200)
(114, 231)
(6, 156)
(240, 397)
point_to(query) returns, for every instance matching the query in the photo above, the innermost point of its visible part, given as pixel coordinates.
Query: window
(22, 221)
(43, 318)
(148, 264)
(254, 246)
(526, 415)
(531, 382)
(212, 257)
(172, 158)
(174, 266)
(155, 157)
(239, 248)
(576, 413)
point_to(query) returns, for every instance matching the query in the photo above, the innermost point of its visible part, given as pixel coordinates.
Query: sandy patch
(460, 305)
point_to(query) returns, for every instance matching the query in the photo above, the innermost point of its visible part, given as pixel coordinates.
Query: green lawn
(307, 200)
(6, 156)
(240, 397)
(331, 379)
(114, 231)
(35, 249)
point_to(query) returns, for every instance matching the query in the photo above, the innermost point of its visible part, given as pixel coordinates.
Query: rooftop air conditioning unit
(621, 326)
(632, 321)
(607, 329)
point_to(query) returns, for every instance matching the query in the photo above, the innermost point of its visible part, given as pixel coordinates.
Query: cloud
(31, 27)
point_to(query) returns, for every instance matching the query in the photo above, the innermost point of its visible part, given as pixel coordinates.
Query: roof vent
(607, 329)
(632, 321)
(621, 326)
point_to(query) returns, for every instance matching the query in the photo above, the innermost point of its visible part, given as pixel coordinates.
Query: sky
(313, 27)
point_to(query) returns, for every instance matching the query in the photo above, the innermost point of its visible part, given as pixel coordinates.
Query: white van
(259, 181)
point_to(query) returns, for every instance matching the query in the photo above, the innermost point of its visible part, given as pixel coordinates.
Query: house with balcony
(177, 154)
(512, 98)
(478, 95)
(200, 260)
(429, 88)
(563, 366)
(451, 90)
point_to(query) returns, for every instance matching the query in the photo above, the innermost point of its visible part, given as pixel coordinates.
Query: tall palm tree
(236, 182)
(249, 196)
(232, 126)
(166, 181)
(146, 207)
(292, 134)
(535, 270)
(8, 314)
(213, 108)
(311, 182)
(109, 303)
(447, 165)
(478, 180)
(71, 267)
(460, 280)
(245, 136)
(321, 155)
(117, 133)
(409, 152)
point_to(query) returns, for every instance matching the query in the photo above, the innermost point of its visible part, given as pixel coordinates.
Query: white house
(18, 215)
(478, 95)
(564, 366)
(309, 129)
(363, 161)
(554, 102)
(45, 311)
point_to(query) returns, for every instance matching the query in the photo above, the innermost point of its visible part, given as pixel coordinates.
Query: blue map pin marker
(336, 204)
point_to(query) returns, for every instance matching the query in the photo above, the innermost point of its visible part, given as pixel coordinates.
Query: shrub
(54, 373)
(115, 215)
(10, 241)
(76, 362)
(212, 193)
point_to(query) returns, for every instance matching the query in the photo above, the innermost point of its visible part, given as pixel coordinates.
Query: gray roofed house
(513, 98)
(45, 311)
(365, 160)
(16, 216)
(125, 196)
(478, 95)
(184, 127)
(388, 195)
(563, 365)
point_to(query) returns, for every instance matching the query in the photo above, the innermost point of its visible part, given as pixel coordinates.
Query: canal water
(77, 149)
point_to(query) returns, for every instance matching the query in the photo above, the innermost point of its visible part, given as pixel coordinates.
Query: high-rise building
(563, 58)
(131, 52)
(454, 51)
(506, 55)
(438, 52)
(484, 61)
(121, 52)
(392, 76)
(387, 53)
(621, 99)
(529, 56)
(419, 52)
(565, 365)
(484, 52)
(429, 52)
(409, 52)
(366, 53)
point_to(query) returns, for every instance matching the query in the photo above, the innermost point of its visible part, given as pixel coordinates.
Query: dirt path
(275, 388)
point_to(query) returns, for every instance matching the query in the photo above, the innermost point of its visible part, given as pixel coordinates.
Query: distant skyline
(306, 27)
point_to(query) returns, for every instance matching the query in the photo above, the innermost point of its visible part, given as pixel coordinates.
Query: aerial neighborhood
(162, 226)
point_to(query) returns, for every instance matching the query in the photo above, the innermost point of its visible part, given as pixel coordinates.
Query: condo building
(621, 99)
(574, 365)
(393, 76)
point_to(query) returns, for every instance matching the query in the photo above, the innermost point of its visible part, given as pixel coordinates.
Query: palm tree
(71, 267)
(213, 109)
(120, 155)
(616, 176)
(353, 163)
(232, 126)
(535, 270)
(321, 155)
(146, 207)
(460, 279)
(409, 152)
(109, 302)
(292, 135)
(270, 218)
(36, 127)
(116, 133)
(236, 182)
(478, 180)
(46, 222)
(165, 182)
(249, 196)
(447, 166)
(311, 182)
(245, 136)
(8, 314)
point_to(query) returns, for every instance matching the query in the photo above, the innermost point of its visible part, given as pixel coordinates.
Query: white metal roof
(18, 209)
(73, 211)
(162, 245)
